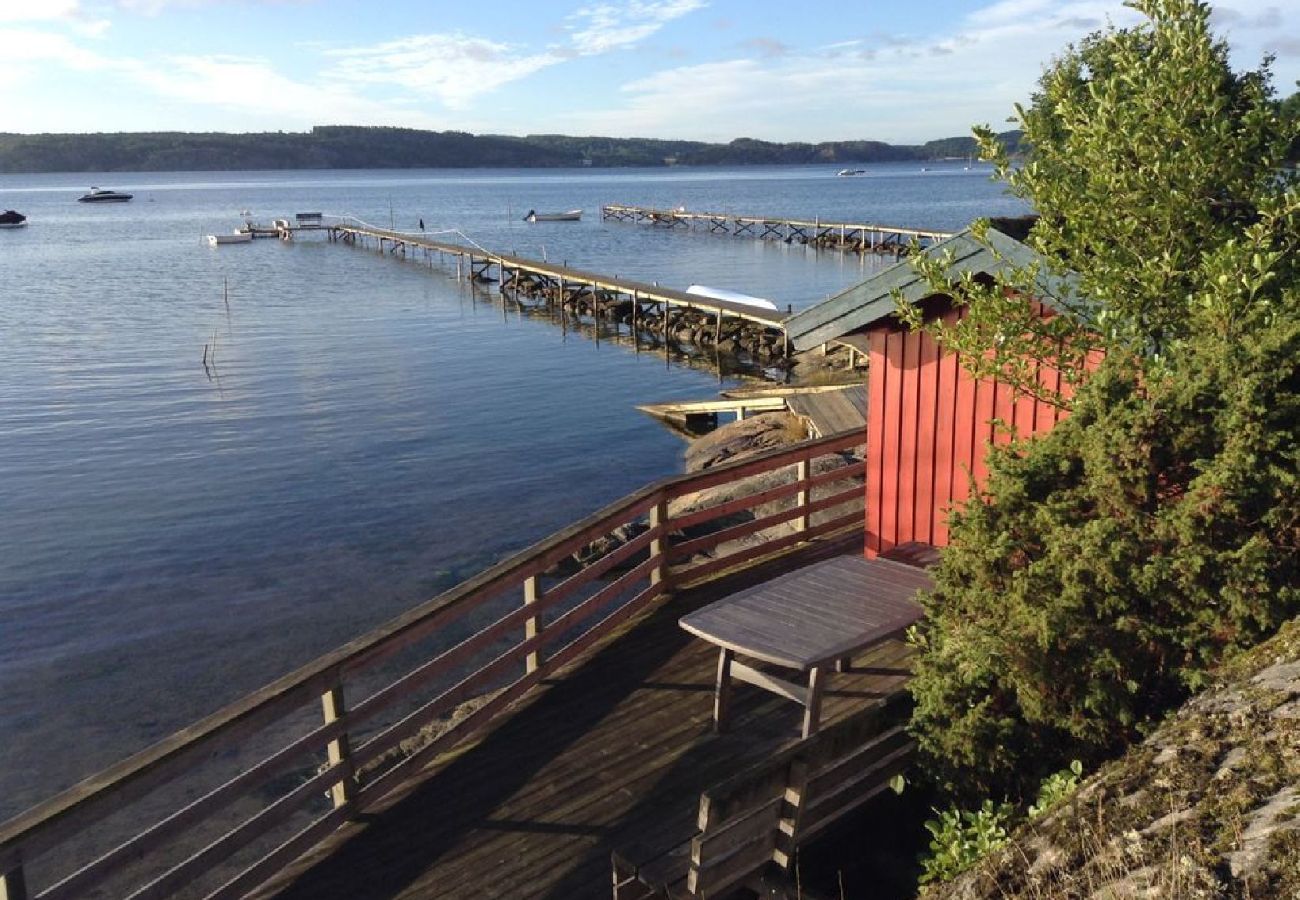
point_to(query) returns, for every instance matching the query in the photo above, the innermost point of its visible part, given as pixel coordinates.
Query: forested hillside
(353, 147)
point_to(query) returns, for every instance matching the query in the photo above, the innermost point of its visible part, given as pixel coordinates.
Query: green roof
(873, 299)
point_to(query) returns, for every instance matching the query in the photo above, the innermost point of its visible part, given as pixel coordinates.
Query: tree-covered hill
(355, 147)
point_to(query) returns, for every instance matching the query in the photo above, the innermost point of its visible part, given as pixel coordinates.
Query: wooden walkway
(832, 412)
(827, 410)
(657, 314)
(610, 758)
(860, 237)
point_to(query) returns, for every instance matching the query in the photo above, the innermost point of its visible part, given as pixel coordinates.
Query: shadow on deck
(613, 754)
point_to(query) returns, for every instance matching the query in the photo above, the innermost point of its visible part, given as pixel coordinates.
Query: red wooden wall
(928, 426)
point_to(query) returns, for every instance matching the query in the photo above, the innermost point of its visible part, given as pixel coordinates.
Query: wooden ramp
(609, 759)
(827, 409)
(832, 412)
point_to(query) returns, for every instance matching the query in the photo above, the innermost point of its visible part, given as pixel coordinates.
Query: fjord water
(366, 433)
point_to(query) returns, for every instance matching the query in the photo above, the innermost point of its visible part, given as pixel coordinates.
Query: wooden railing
(384, 688)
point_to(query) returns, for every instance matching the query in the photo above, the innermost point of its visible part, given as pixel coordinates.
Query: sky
(814, 70)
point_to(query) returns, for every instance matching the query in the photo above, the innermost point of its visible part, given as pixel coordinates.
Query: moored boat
(11, 219)
(103, 195)
(235, 237)
(572, 215)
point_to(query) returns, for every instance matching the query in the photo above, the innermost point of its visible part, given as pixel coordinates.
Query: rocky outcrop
(1208, 806)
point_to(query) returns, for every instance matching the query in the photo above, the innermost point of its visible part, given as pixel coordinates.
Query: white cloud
(605, 27)
(454, 68)
(38, 10)
(253, 87)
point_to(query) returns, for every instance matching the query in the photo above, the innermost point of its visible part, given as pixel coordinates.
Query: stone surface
(1208, 806)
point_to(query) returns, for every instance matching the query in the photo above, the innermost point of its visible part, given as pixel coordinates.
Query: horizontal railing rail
(523, 615)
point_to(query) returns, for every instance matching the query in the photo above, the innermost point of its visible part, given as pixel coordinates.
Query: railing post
(801, 499)
(659, 544)
(339, 750)
(531, 625)
(13, 884)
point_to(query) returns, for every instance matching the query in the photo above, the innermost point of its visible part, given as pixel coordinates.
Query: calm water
(371, 434)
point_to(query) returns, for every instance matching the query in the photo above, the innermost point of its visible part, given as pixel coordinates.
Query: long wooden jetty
(648, 309)
(508, 736)
(860, 237)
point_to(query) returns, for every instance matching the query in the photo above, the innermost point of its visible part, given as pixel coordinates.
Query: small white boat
(11, 219)
(572, 215)
(701, 290)
(102, 195)
(847, 172)
(235, 237)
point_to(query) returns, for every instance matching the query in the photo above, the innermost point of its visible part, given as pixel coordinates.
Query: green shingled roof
(873, 299)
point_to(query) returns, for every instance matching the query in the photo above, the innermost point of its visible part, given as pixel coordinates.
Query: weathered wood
(338, 750)
(13, 885)
(768, 682)
(532, 625)
(722, 689)
(812, 716)
(724, 838)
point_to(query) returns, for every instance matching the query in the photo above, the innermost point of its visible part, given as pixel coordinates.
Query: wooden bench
(761, 815)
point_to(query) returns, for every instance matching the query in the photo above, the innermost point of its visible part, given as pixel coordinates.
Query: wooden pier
(651, 312)
(571, 723)
(858, 237)
(825, 409)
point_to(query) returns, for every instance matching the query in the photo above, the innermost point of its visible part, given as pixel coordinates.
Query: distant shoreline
(347, 147)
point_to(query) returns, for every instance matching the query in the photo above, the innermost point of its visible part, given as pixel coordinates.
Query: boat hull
(573, 215)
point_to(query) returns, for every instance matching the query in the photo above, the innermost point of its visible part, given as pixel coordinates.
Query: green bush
(1112, 561)
(961, 838)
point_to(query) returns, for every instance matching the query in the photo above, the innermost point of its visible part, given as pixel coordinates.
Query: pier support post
(339, 750)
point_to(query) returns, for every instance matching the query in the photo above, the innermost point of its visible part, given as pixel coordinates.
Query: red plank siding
(929, 425)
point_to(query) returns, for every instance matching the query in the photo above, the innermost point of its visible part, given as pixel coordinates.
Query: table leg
(812, 713)
(722, 695)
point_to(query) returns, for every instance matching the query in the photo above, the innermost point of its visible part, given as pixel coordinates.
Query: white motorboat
(11, 219)
(847, 172)
(701, 290)
(102, 195)
(235, 237)
(572, 215)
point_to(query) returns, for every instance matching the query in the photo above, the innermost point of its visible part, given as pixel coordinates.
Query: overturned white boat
(701, 290)
(235, 237)
(572, 215)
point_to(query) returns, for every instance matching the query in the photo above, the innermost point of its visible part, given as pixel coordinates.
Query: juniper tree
(1107, 566)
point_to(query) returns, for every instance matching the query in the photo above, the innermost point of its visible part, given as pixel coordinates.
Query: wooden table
(807, 620)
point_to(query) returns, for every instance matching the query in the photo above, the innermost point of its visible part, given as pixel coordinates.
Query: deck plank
(611, 755)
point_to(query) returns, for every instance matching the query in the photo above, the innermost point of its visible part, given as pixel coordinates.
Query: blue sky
(699, 69)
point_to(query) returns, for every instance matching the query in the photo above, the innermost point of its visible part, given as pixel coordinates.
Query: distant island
(358, 147)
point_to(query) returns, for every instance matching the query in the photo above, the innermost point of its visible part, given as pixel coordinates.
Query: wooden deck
(610, 757)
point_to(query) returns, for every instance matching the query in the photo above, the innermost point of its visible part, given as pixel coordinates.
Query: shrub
(1112, 561)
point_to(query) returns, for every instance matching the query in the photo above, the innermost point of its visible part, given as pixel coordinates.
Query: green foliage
(961, 838)
(1145, 150)
(1109, 564)
(1055, 788)
(1113, 560)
